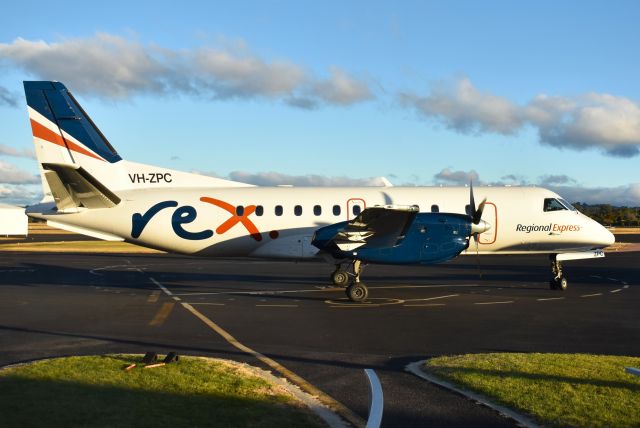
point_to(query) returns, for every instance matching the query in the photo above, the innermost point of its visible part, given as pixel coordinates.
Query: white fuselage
(186, 223)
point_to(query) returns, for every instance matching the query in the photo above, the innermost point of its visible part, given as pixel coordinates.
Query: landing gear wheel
(561, 283)
(340, 278)
(357, 292)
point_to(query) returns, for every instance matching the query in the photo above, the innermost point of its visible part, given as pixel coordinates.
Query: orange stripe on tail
(45, 133)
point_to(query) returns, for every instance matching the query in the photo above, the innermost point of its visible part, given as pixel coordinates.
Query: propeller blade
(472, 201)
(477, 214)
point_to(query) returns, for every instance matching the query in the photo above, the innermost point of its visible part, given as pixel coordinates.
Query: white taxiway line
(493, 303)
(432, 298)
(377, 400)
(591, 295)
(327, 400)
(425, 304)
(615, 291)
(207, 303)
(550, 298)
(277, 306)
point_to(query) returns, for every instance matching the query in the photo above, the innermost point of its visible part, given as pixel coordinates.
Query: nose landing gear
(558, 282)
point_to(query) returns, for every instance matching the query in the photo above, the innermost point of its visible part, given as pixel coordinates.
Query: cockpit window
(553, 204)
(567, 205)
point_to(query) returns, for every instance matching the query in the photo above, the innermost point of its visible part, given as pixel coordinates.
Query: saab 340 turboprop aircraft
(90, 189)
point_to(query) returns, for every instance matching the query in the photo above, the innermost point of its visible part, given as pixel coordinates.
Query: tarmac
(69, 304)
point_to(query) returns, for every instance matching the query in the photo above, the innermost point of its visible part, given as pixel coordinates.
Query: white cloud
(19, 194)
(603, 121)
(592, 120)
(555, 180)
(22, 153)
(275, 178)
(115, 67)
(9, 174)
(465, 109)
(458, 178)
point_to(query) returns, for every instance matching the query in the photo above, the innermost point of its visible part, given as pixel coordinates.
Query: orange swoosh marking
(45, 133)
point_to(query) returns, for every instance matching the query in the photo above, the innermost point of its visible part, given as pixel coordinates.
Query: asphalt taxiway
(63, 304)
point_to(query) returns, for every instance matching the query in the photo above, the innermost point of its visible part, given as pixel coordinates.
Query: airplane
(89, 189)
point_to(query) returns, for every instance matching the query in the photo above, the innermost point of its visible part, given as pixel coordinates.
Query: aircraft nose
(604, 238)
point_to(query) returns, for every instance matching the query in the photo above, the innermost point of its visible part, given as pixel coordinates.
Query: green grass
(577, 390)
(96, 392)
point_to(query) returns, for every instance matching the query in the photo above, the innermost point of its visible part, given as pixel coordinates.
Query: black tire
(357, 292)
(562, 283)
(553, 284)
(340, 278)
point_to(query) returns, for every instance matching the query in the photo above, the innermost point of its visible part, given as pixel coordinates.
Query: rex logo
(187, 214)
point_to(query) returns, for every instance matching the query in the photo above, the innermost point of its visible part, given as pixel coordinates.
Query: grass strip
(96, 391)
(578, 390)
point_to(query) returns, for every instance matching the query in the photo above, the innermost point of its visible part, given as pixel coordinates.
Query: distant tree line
(609, 215)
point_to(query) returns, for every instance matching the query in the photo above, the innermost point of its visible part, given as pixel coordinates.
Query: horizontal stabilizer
(73, 187)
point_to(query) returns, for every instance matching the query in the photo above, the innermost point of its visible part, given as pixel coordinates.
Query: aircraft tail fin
(64, 134)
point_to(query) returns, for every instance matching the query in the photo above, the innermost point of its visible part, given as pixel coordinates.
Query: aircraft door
(354, 207)
(490, 215)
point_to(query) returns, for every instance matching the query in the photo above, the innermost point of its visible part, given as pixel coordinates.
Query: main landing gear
(356, 291)
(558, 282)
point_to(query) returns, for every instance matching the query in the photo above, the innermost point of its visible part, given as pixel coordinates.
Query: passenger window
(317, 210)
(435, 209)
(297, 210)
(357, 209)
(239, 210)
(278, 210)
(552, 204)
(336, 210)
(259, 210)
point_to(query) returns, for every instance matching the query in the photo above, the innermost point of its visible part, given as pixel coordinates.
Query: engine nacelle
(429, 238)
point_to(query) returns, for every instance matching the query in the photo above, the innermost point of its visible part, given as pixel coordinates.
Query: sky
(423, 93)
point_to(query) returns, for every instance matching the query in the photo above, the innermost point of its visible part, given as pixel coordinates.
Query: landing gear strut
(356, 291)
(558, 282)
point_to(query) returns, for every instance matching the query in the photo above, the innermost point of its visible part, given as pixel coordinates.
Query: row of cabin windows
(317, 210)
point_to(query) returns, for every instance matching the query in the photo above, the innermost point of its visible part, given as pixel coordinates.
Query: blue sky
(423, 93)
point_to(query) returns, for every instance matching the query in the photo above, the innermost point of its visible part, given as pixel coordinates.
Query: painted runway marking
(494, 303)
(616, 290)
(424, 305)
(277, 306)
(432, 298)
(303, 384)
(162, 314)
(154, 296)
(369, 303)
(626, 286)
(591, 295)
(550, 298)
(612, 279)
(259, 292)
(165, 289)
(207, 303)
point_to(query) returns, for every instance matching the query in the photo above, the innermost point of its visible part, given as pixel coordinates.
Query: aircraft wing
(377, 227)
